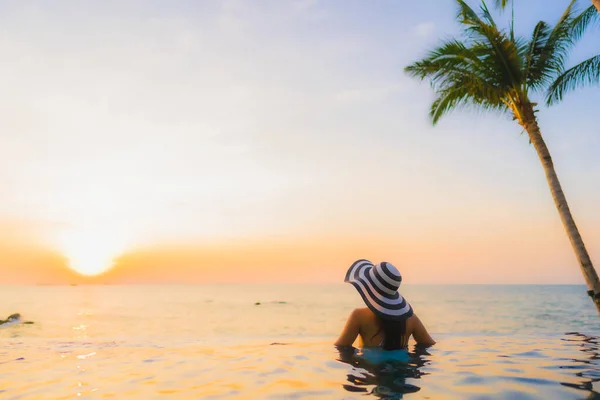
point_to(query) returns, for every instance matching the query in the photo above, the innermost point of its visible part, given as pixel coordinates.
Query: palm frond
(487, 16)
(583, 21)
(512, 23)
(501, 3)
(465, 90)
(561, 40)
(505, 52)
(452, 55)
(535, 75)
(446, 102)
(549, 60)
(460, 75)
(585, 73)
(467, 16)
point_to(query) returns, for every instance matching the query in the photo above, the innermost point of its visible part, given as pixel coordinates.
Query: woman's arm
(421, 335)
(350, 332)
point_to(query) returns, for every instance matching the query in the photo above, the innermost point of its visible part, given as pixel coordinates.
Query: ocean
(250, 341)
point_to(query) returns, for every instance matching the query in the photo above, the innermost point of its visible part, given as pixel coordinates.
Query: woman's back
(364, 323)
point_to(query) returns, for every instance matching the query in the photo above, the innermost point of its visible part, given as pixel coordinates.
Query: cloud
(425, 29)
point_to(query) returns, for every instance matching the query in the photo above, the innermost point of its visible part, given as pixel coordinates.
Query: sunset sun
(89, 260)
(91, 252)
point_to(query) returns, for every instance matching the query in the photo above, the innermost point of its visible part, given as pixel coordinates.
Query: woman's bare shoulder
(413, 318)
(365, 312)
(360, 312)
(418, 330)
(413, 321)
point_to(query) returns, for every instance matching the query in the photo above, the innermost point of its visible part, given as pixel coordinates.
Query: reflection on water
(481, 368)
(200, 342)
(458, 367)
(588, 368)
(385, 374)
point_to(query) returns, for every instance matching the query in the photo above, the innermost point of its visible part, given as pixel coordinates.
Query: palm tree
(492, 69)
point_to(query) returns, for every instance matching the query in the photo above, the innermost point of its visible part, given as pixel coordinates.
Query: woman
(388, 321)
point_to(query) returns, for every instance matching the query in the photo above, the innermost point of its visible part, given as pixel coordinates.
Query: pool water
(192, 342)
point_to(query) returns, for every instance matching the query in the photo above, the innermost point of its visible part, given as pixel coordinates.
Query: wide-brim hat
(378, 286)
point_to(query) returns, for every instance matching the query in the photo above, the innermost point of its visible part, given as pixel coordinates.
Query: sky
(269, 141)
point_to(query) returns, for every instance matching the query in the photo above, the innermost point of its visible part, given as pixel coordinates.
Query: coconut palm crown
(492, 69)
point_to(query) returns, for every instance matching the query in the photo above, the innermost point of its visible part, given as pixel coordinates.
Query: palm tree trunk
(585, 263)
(596, 4)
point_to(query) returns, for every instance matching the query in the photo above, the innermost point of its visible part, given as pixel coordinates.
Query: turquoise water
(215, 342)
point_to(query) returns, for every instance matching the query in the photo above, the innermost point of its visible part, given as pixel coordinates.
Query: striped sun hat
(378, 286)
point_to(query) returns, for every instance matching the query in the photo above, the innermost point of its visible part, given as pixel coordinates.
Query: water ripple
(556, 367)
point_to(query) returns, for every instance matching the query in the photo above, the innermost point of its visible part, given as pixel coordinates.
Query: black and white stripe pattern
(378, 286)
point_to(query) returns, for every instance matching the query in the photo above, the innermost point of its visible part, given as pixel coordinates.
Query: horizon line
(273, 284)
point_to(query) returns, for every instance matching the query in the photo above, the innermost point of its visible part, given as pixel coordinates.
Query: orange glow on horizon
(441, 257)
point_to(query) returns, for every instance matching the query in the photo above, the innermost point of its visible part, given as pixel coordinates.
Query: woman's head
(378, 286)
